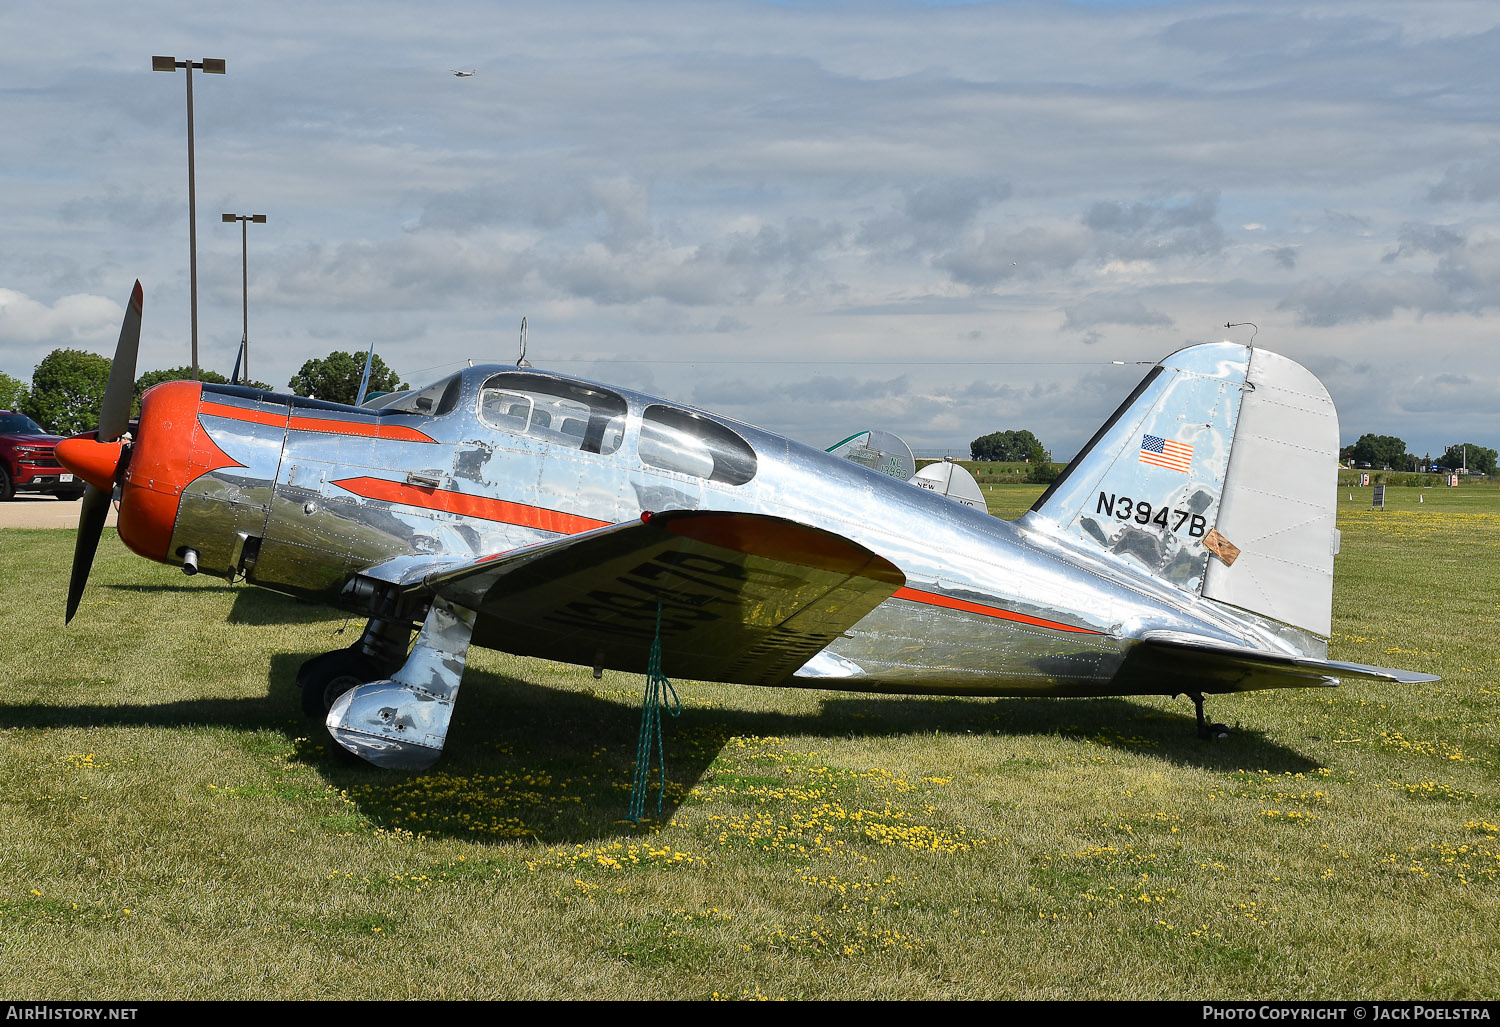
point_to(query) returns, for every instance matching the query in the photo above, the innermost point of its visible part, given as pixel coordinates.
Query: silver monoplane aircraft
(1187, 549)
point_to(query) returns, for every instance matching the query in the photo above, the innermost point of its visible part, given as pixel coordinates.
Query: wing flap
(746, 598)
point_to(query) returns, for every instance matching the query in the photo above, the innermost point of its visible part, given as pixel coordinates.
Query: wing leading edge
(744, 598)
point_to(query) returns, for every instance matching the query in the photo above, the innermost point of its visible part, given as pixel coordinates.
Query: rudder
(1280, 499)
(1217, 476)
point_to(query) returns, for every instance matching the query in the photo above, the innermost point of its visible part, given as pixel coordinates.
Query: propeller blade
(114, 421)
(90, 527)
(114, 412)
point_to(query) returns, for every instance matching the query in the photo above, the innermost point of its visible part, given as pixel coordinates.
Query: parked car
(27, 463)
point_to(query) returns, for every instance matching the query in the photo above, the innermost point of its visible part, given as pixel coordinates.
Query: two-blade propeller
(98, 457)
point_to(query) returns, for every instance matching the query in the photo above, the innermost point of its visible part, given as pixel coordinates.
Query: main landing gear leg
(1205, 729)
(402, 723)
(377, 654)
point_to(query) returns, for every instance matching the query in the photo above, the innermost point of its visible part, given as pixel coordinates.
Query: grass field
(171, 827)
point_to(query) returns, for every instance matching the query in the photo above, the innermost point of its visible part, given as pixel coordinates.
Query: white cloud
(69, 322)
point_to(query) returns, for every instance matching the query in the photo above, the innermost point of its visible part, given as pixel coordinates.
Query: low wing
(744, 598)
(1190, 664)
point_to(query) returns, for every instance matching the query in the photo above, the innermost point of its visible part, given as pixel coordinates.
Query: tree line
(1381, 451)
(67, 387)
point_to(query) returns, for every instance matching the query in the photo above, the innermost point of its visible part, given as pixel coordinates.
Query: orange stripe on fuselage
(469, 506)
(948, 602)
(252, 414)
(321, 425)
(328, 426)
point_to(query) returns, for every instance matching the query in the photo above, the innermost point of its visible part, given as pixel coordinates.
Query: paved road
(26, 511)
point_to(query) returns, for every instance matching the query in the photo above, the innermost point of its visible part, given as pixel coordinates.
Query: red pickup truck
(27, 463)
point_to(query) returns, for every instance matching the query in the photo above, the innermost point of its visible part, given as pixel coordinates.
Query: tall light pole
(209, 66)
(243, 363)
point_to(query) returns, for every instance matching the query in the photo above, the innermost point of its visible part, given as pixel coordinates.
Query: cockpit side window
(565, 414)
(689, 443)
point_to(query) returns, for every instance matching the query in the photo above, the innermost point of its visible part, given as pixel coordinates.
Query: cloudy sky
(939, 219)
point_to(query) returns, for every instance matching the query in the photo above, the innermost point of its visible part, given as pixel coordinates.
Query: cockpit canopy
(564, 413)
(592, 419)
(680, 440)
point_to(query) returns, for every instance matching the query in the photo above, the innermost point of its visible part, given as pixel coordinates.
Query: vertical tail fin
(1218, 476)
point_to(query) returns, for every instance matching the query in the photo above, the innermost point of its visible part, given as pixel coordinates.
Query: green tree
(1380, 451)
(67, 389)
(336, 377)
(12, 392)
(172, 374)
(181, 374)
(1480, 458)
(1043, 471)
(1004, 446)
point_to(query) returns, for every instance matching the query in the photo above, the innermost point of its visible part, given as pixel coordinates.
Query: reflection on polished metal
(401, 724)
(547, 516)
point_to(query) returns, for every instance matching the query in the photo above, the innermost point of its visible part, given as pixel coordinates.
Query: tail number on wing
(1127, 509)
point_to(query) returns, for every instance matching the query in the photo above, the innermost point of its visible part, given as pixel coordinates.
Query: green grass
(172, 828)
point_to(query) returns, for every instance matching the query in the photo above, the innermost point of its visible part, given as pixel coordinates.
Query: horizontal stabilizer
(1184, 663)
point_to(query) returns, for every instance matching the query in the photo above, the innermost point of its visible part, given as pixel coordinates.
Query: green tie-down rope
(658, 691)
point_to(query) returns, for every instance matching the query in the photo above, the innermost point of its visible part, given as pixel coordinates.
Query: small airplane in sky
(463, 74)
(1187, 549)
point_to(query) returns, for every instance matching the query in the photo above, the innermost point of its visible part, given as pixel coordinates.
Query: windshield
(19, 424)
(433, 401)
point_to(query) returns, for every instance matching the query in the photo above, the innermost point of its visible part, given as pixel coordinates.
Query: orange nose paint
(93, 461)
(171, 451)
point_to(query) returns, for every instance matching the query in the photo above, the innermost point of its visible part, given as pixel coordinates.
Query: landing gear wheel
(324, 678)
(1207, 731)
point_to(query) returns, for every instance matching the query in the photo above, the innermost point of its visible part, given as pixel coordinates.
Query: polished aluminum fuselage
(324, 493)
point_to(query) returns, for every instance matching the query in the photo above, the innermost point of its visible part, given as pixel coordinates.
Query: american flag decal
(1159, 452)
